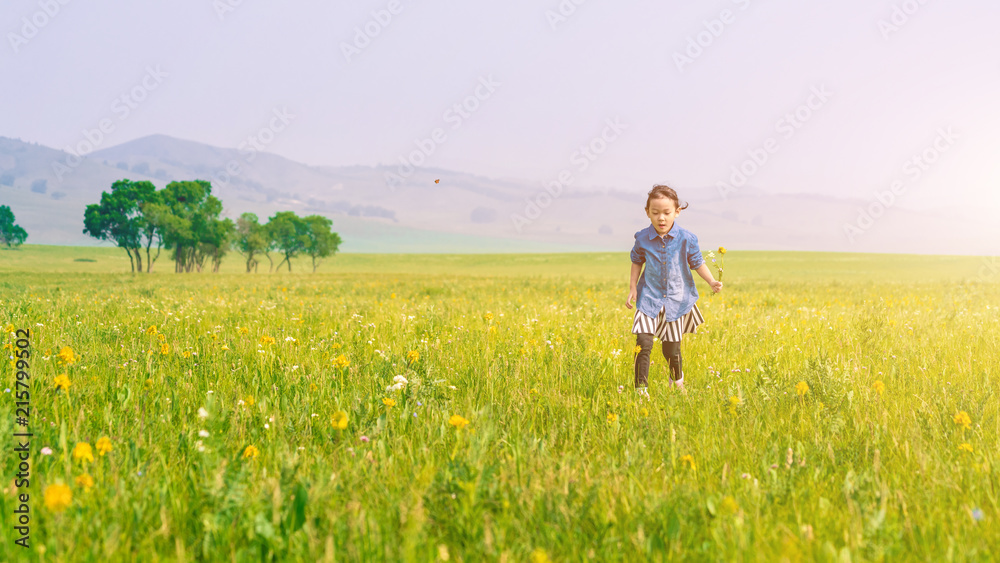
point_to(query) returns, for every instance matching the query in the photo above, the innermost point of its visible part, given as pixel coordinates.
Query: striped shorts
(667, 332)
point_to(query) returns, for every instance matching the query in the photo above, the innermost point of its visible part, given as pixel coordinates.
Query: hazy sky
(693, 86)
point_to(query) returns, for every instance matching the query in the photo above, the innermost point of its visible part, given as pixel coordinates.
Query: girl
(666, 293)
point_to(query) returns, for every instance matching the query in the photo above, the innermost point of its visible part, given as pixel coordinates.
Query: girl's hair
(662, 190)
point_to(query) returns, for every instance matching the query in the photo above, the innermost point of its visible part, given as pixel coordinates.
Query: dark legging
(671, 351)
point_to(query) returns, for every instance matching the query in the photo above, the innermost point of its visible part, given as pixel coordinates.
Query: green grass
(755, 265)
(532, 349)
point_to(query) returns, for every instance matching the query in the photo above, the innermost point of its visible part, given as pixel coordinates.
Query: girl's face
(661, 212)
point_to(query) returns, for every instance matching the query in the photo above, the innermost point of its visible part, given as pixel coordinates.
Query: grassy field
(839, 407)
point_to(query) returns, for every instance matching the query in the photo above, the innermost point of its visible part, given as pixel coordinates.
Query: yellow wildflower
(244, 330)
(151, 330)
(83, 452)
(250, 452)
(9, 328)
(612, 418)
(734, 403)
(186, 353)
(722, 250)
(637, 349)
(729, 505)
(63, 382)
(339, 420)
(488, 317)
(266, 340)
(966, 447)
(225, 346)
(164, 349)
(388, 402)
(539, 555)
(161, 336)
(879, 387)
(412, 356)
(644, 411)
(802, 388)
(67, 356)
(962, 419)
(85, 481)
(58, 497)
(341, 361)
(104, 445)
(688, 460)
(458, 421)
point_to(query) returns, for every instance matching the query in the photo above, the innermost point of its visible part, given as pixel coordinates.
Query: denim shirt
(666, 280)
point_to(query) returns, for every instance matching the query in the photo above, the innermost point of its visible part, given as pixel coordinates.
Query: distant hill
(461, 213)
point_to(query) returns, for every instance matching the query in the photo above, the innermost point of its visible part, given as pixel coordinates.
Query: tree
(289, 232)
(252, 239)
(120, 218)
(11, 234)
(321, 241)
(272, 245)
(218, 239)
(188, 216)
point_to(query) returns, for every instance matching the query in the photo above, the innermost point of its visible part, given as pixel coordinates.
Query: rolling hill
(460, 213)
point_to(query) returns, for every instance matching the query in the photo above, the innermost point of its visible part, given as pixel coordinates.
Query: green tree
(252, 239)
(121, 219)
(290, 235)
(11, 234)
(187, 214)
(218, 239)
(322, 242)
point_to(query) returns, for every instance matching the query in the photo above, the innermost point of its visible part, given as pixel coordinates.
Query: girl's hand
(631, 298)
(716, 286)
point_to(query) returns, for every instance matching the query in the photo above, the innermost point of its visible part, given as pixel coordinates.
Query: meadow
(840, 407)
